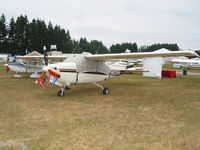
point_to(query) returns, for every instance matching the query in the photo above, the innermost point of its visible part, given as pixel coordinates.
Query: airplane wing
(140, 55)
(41, 57)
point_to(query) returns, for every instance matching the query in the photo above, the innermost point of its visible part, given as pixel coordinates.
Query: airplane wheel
(105, 91)
(61, 93)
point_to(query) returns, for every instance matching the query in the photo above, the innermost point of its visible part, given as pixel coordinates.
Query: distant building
(34, 53)
(54, 53)
(53, 47)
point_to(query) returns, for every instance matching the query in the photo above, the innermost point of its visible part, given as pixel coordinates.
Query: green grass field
(138, 114)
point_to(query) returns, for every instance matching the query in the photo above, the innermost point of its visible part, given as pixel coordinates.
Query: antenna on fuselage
(97, 50)
(74, 49)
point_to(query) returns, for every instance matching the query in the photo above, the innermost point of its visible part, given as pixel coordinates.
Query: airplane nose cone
(46, 68)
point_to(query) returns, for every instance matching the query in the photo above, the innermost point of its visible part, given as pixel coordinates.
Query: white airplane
(32, 64)
(4, 57)
(117, 67)
(123, 65)
(20, 67)
(88, 68)
(185, 63)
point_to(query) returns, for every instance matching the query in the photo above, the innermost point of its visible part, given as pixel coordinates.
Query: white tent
(153, 66)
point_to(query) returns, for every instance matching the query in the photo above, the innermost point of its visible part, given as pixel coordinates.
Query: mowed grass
(138, 114)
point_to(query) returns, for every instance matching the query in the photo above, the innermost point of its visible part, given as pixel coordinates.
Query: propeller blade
(53, 76)
(53, 73)
(41, 80)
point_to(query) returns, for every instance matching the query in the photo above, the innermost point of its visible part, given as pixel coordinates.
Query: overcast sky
(115, 21)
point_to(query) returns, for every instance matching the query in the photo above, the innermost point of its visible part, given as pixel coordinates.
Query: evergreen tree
(12, 36)
(172, 47)
(97, 47)
(22, 35)
(84, 45)
(34, 40)
(68, 42)
(51, 35)
(121, 48)
(75, 46)
(3, 34)
(42, 35)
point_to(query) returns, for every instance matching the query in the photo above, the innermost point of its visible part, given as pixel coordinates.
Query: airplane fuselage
(69, 74)
(22, 68)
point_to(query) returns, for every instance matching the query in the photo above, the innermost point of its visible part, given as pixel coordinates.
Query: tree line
(172, 47)
(21, 35)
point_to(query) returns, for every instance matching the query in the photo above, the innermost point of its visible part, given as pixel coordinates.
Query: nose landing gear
(62, 91)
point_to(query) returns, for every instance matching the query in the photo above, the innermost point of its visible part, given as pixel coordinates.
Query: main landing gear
(62, 91)
(105, 90)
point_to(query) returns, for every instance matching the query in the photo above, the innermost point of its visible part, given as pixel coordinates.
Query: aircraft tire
(61, 93)
(67, 88)
(105, 91)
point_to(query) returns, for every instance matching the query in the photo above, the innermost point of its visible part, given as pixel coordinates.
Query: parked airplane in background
(20, 67)
(88, 68)
(4, 57)
(124, 65)
(33, 64)
(185, 62)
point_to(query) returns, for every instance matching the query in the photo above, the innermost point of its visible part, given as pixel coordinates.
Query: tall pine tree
(3, 34)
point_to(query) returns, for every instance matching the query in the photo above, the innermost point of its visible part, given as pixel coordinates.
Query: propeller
(42, 78)
(45, 56)
(51, 75)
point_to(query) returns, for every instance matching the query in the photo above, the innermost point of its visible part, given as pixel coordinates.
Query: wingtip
(194, 54)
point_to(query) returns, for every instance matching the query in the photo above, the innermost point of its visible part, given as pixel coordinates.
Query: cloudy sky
(115, 21)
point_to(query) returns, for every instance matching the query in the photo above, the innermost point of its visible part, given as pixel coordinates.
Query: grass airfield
(138, 114)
